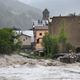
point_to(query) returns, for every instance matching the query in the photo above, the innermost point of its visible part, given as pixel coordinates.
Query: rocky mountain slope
(15, 13)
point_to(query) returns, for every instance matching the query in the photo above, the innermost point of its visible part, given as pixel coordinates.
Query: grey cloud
(57, 7)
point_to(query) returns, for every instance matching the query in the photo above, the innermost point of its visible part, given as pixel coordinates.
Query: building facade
(71, 26)
(25, 41)
(40, 28)
(39, 33)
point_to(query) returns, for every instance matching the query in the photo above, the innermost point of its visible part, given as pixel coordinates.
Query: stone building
(39, 32)
(40, 27)
(25, 41)
(25, 37)
(71, 27)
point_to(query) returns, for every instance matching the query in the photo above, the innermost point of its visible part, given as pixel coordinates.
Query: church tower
(45, 14)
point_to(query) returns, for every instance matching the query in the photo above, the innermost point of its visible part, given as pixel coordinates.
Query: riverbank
(15, 59)
(18, 60)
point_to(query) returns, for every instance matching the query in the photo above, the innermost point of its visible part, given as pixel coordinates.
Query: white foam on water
(42, 73)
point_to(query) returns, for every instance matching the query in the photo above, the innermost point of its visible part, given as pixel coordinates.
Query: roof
(28, 33)
(40, 23)
(41, 27)
(25, 35)
(46, 10)
(65, 17)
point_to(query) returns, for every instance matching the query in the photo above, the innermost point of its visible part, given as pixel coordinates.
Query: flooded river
(40, 73)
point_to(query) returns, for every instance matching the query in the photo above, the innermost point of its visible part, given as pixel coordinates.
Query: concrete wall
(71, 26)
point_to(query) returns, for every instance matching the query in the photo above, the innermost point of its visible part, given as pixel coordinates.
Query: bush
(69, 47)
(7, 45)
(50, 45)
(58, 43)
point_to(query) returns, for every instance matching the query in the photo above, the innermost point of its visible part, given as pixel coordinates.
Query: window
(40, 34)
(37, 40)
(23, 39)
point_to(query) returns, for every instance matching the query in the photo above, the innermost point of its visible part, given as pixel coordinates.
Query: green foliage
(69, 47)
(7, 45)
(62, 35)
(56, 43)
(50, 45)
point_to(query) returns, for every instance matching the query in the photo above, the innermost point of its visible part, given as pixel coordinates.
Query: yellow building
(39, 32)
(40, 27)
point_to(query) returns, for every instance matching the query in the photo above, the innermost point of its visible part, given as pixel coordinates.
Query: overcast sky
(56, 7)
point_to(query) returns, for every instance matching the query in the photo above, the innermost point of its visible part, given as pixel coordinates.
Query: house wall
(38, 36)
(71, 26)
(25, 40)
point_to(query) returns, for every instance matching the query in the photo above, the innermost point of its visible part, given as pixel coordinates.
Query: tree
(7, 45)
(50, 45)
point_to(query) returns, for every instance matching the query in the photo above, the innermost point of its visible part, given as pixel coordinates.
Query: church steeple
(45, 14)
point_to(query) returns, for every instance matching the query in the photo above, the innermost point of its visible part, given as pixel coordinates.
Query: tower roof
(46, 11)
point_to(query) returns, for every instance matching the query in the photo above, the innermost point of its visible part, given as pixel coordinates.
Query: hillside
(15, 13)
